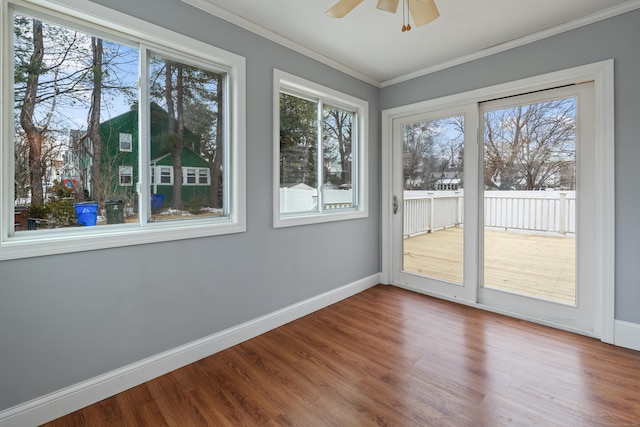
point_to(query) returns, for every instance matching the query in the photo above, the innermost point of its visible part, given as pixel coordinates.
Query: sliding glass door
(430, 173)
(538, 187)
(493, 204)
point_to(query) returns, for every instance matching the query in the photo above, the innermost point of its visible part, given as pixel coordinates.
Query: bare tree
(57, 71)
(175, 126)
(418, 157)
(93, 122)
(337, 137)
(215, 166)
(298, 140)
(33, 132)
(529, 147)
(433, 154)
(21, 166)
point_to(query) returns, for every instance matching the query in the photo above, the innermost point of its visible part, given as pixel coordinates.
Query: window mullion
(319, 156)
(355, 164)
(144, 158)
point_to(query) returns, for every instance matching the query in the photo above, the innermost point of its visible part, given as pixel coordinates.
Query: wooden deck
(529, 264)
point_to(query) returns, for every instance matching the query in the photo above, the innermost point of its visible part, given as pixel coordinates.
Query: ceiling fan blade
(388, 5)
(423, 11)
(341, 8)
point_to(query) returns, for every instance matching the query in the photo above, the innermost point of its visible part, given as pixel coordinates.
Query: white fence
(430, 211)
(543, 211)
(305, 199)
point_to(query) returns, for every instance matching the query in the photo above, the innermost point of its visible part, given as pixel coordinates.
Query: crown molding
(590, 19)
(251, 26)
(224, 14)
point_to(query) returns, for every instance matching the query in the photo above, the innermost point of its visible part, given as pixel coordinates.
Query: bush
(62, 212)
(38, 211)
(57, 212)
(195, 205)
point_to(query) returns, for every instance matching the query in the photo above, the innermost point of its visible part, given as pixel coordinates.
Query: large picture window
(320, 153)
(90, 106)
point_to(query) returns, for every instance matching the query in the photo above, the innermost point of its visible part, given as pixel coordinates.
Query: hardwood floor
(388, 356)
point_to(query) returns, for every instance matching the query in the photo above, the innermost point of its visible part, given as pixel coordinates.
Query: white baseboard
(65, 401)
(627, 334)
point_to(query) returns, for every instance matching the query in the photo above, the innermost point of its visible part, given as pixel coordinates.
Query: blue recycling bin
(87, 213)
(156, 201)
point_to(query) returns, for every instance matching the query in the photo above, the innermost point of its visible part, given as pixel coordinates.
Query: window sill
(292, 220)
(50, 242)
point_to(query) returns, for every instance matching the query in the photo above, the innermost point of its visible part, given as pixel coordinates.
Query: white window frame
(118, 26)
(126, 137)
(122, 172)
(197, 173)
(185, 176)
(206, 172)
(286, 82)
(159, 175)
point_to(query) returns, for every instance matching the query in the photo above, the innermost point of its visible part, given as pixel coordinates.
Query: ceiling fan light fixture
(341, 8)
(423, 11)
(388, 5)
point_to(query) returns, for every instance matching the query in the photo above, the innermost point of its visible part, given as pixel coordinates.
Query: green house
(196, 177)
(119, 160)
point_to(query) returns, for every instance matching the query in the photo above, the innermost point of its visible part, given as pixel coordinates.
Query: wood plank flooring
(386, 357)
(529, 264)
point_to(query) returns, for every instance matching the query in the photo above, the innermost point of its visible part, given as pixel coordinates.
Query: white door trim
(601, 73)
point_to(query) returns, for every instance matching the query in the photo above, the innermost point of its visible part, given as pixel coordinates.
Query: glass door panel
(529, 181)
(433, 186)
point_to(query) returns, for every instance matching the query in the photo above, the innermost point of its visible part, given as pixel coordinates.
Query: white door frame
(601, 73)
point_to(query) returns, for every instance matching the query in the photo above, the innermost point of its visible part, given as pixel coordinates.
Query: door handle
(395, 205)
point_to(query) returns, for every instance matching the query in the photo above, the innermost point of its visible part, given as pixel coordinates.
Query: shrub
(38, 211)
(62, 212)
(195, 205)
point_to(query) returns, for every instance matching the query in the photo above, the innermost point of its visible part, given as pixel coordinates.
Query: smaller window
(126, 175)
(320, 153)
(196, 176)
(204, 177)
(189, 176)
(125, 142)
(166, 175)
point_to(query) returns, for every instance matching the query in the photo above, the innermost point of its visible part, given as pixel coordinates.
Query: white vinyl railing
(542, 211)
(551, 211)
(430, 211)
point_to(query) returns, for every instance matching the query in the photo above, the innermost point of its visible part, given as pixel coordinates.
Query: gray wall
(615, 38)
(69, 318)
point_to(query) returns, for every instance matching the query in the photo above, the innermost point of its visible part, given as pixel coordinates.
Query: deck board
(537, 265)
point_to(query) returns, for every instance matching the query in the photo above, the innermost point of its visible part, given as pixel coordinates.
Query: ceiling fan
(422, 11)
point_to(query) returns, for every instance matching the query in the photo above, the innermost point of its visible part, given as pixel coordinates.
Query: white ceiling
(369, 43)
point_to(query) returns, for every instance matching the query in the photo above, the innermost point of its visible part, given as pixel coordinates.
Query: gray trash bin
(115, 211)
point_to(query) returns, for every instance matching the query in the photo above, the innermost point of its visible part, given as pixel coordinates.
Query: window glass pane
(74, 95)
(125, 142)
(298, 154)
(126, 175)
(203, 176)
(165, 175)
(530, 200)
(187, 132)
(433, 170)
(337, 189)
(191, 176)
